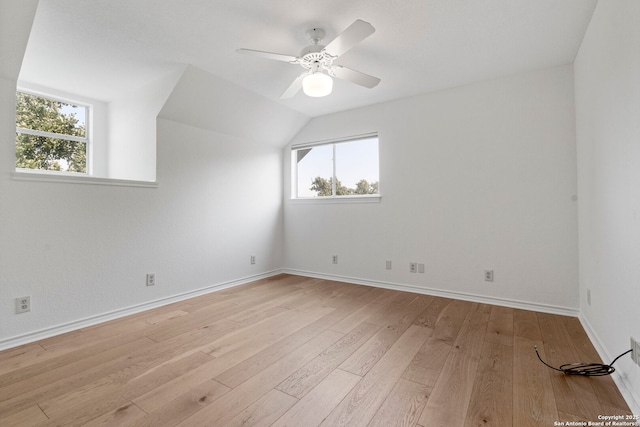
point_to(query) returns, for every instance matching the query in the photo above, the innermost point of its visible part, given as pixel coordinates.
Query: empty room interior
(314, 213)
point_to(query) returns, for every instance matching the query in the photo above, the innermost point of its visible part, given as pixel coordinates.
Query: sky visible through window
(355, 160)
(80, 114)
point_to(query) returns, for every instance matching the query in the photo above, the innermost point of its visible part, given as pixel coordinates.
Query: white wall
(83, 250)
(472, 178)
(607, 86)
(16, 20)
(131, 150)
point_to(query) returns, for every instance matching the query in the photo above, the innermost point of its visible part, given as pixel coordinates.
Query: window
(347, 167)
(51, 134)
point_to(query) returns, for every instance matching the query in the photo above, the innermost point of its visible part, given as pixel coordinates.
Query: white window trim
(87, 138)
(53, 135)
(363, 198)
(35, 175)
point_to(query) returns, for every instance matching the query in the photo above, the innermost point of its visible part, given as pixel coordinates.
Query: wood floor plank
(610, 398)
(160, 396)
(604, 388)
(403, 406)
(59, 368)
(48, 385)
(30, 416)
(20, 357)
(369, 313)
(372, 294)
(395, 321)
(218, 366)
(318, 295)
(427, 364)
(209, 315)
(449, 400)
(491, 402)
(304, 379)
(525, 325)
(534, 403)
(361, 404)
(432, 313)
(314, 407)
(342, 294)
(249, 313)
(387, 296)
(106, 394)
(264, 411)
(264, 332)
(356, 317)
(183, 405)
(244, 370)
(574, 394)
(451, 320)
(242, 396)
(126, 414)
(269, 353)
(500, 328)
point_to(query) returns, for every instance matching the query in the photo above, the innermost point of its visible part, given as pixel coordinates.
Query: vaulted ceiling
(104, 48)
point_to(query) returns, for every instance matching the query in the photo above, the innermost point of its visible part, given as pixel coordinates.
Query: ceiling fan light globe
(317, 85)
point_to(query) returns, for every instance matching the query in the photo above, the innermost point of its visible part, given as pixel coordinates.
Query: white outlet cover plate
(23, 304)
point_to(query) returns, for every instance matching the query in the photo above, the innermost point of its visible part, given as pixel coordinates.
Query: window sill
(25, 175)
(338, 199)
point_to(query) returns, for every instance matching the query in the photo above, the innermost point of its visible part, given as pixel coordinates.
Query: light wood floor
(294, 351)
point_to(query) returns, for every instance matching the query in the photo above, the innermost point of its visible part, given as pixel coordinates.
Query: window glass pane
(357, 171)
(315, 171)
(54, 154)
(48, 115)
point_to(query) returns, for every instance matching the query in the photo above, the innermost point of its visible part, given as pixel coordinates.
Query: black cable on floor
(586, 369)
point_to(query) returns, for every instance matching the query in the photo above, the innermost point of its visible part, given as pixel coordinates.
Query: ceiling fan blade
(350, 37)
(354, 76)
(294, 87)
(269, 55)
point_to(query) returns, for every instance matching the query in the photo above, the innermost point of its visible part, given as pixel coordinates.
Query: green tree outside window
(49, 136)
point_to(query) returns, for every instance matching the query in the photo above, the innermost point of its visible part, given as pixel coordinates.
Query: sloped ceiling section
(206, 101)
(16, 20)
(112, 47)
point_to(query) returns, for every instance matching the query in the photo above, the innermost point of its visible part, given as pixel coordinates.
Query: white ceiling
(104, 48)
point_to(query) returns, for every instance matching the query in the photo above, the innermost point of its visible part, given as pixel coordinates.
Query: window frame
(87, 139)
(334, 198)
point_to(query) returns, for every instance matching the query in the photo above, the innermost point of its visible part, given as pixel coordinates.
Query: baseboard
(621, 381)
(544, 308)
(116, 314)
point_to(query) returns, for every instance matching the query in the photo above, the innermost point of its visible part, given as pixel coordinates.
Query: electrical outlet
(413, 267)
(420, 268)
(23, 304)
(488, 275)
(387, 265)
(253, 259)
(635, 351)
(151, 279)
(335, 259)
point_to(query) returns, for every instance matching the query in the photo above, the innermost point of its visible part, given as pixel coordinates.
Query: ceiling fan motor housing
(312, 56)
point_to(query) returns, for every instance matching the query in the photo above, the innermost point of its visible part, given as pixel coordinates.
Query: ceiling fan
(318, 61)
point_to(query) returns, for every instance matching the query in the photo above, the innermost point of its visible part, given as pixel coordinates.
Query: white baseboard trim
(621, 381)
(29, 337)
(544, 308)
